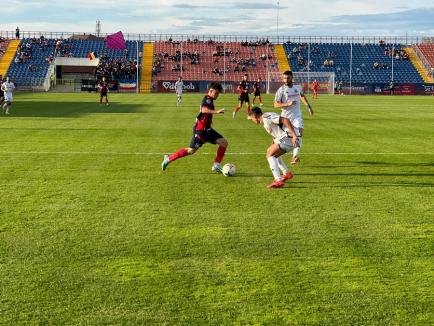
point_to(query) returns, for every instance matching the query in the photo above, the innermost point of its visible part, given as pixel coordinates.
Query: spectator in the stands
(17, 33)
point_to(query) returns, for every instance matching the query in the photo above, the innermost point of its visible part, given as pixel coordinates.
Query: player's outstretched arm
(306, 102)
(280, 105)
(206, 110)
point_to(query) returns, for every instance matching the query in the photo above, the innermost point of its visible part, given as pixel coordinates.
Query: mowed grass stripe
(93, 232)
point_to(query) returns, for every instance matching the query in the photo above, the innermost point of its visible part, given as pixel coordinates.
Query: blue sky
(296, 17)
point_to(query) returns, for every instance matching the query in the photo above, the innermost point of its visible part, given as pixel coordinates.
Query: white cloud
(205, 17)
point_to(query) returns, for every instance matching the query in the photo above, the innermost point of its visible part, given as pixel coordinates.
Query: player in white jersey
(7, 87)
(284, 140)
(178, 88)
(288, 98)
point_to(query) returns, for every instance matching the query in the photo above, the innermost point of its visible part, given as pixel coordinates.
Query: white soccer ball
(228, 169)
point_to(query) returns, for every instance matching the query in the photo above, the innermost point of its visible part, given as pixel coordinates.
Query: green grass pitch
(93, 232)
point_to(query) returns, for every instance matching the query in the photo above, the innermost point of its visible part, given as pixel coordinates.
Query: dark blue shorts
(201, 137)
(244, 97)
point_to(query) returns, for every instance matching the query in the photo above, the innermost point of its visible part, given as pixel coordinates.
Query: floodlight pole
(277, 22)
(224, 65)
(351, 67)
(308, 67)
(393, 57)
(137, 67)
(268, 73)
(181, 58)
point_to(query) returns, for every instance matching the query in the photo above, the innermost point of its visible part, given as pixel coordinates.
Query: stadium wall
(168, 86)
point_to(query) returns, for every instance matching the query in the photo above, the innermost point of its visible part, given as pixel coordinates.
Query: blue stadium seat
(21, 74)
(364, 56)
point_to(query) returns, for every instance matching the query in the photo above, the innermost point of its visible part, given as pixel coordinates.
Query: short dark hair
(255, 111)
(288, 73)
(216, 86)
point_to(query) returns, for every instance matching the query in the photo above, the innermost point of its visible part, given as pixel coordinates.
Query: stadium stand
(3, 46)
(427, 50)
(34, 56)
(371, 63)
(7, 53)
(422, 68)
(205, 60)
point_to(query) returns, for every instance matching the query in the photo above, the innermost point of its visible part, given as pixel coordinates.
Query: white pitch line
(203, 153)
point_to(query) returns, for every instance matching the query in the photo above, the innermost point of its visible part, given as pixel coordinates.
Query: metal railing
(404, 40)
(426, 64)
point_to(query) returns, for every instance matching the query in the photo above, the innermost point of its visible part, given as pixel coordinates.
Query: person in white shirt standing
(288, 98)
(178, 88)
(7, 87)
(284, 141)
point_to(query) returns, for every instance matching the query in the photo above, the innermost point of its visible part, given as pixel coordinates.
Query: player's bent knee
(222, 142)
(191, 151)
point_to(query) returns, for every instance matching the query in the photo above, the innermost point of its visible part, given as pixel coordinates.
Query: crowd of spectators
(396, 52)
(262, 42)
(302, 62)
(158, 63)
(116, 69)
(24, 53)
(3, 46)
(378, 65)
(236, 59)
(26, 50)
(159, 58)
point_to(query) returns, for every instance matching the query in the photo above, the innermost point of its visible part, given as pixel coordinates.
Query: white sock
(282, 165)
(5, 106)
(297, 149)
(274, 167)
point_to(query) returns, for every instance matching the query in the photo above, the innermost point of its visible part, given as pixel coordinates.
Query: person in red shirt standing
(315, 87)
(103, 91)
(202, 131)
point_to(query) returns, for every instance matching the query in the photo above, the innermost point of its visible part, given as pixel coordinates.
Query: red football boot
(287, 176)
(276, 184)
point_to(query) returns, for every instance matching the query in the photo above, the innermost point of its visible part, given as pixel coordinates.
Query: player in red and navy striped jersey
(257, 91)
(243, 88)
(103, 91)
(202, 131)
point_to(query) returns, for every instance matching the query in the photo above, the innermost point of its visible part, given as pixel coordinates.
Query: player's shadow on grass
(397, 164)
(353, 184)
(294, 183)
(73, 109)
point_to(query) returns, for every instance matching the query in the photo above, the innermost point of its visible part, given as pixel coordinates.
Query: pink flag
(116, 41)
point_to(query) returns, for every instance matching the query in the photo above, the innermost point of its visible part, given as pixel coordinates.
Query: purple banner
(116, 41)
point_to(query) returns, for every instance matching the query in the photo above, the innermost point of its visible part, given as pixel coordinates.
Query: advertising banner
(400, 89)
(127, 86)
(169, 86)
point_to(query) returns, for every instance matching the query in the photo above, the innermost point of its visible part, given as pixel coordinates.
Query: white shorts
(294, 116)
(179, 93)
(8, 98)
(285, 144)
